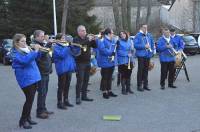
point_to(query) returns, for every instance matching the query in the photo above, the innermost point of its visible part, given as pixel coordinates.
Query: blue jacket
(123, 50)
(164, 52)
(64, 59)
(26, 69)
(106, 48)
(178, 42)
(140, 41)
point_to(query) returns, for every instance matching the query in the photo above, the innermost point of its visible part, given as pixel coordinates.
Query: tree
(129, 15)
(118, 24)
(64, 16)
(149, 4)
(77, 15)
(124, 9)
(31, 15)
(138, 14)
(25, 16)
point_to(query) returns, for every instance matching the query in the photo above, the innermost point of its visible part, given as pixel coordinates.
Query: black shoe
(172, 86)
(25, 125)
(140, 89)
(61, 106)
(86, 99)
(49, 112)
(111, 94)
(105, 96)
(124, 92)
(130, 91)
(78, 101)
(42, 115)
(146, 88)
(68, 104)
(31, 122)
(162, 87)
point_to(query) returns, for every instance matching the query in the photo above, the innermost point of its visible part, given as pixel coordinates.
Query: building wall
(179, 16)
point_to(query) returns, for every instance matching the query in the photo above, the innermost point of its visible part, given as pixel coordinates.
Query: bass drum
(151, 65)
(178, 60)
(93, 70)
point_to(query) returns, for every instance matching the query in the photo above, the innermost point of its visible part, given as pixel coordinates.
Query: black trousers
(82, 75)
(124, 71)
(142, 73)
(167, 69)
(64, 81)
(106, 78)
(29, 92)
(43, 85)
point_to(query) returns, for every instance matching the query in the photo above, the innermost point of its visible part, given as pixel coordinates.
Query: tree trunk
(124, 14)
(129, 16)
(64, 16)
(196, 16)
(115, 5)
(138, 15)
(148, 11)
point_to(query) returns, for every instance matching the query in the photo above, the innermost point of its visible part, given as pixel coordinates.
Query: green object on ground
(112, 117)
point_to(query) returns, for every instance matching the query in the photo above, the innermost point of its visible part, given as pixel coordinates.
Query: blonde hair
(16, 38)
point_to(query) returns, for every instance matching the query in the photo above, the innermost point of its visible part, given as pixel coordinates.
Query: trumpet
(66, 43)
(93, 36)
(43, 49)
(129, 63)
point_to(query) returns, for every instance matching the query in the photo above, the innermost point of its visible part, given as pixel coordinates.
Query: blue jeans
(42, 93)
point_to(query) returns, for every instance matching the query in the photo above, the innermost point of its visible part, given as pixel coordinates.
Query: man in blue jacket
(177, 40)
(166, 47)
(144, 46)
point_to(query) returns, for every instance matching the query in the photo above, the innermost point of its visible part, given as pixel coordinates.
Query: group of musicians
(33, 65)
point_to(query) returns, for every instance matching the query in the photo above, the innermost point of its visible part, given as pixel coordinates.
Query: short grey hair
(79, 27)
(37, 33)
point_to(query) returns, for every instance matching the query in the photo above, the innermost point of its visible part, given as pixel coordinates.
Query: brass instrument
(129, 63)
(66, 43)
(172, 51)
(113, 56)
(93, 36)
(43, 49)
(150, 50)
(129, 56)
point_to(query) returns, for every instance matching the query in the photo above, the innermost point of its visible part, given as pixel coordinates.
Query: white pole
(54, 17)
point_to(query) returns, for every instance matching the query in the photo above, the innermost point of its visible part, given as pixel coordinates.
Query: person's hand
(147, 46)
(37, 47)
(169, 46)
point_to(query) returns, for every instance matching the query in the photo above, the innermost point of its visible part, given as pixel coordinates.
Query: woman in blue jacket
(65, 65)
(167, 58)
(106, 59)
(27, 75)
(125, 61)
